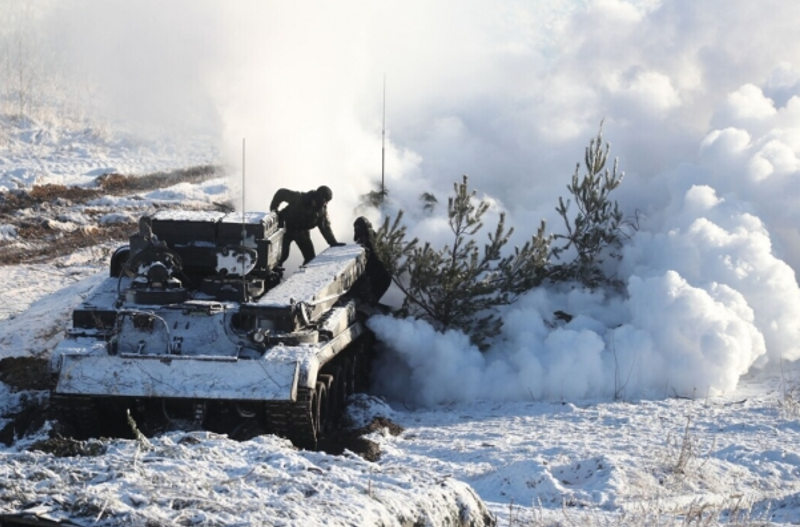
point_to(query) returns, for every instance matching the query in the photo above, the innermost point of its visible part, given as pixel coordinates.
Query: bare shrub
(51, 192)
(118, 183)
(790, 393)
(686, 451)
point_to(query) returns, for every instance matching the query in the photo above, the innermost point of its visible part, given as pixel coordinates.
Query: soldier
(303, 212)
(377, 276)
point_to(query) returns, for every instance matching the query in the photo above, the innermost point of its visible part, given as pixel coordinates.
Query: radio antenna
(243, 182)
(244, 230)
(383, 142)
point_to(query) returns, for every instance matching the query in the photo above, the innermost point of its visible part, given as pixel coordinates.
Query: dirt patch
(47, 244)
(355, 440)
(50, 192)
(113, 184)
(25, 373)
(117, 184)
(30, 376)
(67, 447)
(27, 421)
(34, 214)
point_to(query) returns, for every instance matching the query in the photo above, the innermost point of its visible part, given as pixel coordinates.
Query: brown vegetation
(33, 213)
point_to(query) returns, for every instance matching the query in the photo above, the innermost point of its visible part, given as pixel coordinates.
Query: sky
(699, 101)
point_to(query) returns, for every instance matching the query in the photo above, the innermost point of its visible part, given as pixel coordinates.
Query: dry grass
(118, 183)
(36, 240)
(734, 512)
(44, 244)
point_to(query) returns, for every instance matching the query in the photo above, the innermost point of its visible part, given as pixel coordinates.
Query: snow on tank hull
(193, 330)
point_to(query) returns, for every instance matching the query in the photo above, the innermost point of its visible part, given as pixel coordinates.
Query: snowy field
(674, 402)
(529, 462)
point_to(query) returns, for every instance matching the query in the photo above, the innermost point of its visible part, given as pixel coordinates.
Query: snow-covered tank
(197, 328)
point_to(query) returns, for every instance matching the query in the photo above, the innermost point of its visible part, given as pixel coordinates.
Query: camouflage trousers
(304, 243)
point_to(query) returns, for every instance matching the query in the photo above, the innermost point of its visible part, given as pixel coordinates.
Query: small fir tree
(595, 232)
(429, 202)
(392, 248)
(374, 198)
(461, 285)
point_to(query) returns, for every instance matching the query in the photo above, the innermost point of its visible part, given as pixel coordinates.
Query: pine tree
(595, 232)
(429, 202)
(374, 198)
(461, 285)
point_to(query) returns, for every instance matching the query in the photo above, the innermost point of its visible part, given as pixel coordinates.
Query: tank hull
(190, 331)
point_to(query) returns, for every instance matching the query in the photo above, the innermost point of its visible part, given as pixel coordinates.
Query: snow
(529, 458)
(80, 156)
(317, 281)
(199, 478)
(177, 378)
(645, 407)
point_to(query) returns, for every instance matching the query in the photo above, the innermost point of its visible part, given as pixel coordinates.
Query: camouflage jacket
(301, 213)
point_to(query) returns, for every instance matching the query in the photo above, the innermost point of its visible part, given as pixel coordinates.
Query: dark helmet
(362, 223)
(324, 193)
(362, 230)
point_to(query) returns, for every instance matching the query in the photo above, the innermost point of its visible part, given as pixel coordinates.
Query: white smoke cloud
(711, 158)
(701, 101)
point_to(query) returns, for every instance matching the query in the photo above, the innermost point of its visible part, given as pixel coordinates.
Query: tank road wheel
(333, 383)
(295, 421)
(361, 364)
(326, 404)
(248, 428)
(320, 411)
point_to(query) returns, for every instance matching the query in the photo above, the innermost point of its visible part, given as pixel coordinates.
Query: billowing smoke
(701, 104)
(700, 100)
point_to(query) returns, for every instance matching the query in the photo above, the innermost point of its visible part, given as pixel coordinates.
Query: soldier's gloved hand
(338, 244)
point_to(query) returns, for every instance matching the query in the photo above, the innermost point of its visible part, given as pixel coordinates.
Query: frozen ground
(674, 403)
(731, 457)
(191, 478)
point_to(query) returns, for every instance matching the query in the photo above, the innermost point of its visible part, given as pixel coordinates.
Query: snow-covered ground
(33, 153)
(534, 462)
(192, 478)
(529, 462)
(676, 402)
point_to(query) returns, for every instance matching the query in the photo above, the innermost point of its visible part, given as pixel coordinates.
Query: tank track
(86, 417)
(295, 420)
(305, 421)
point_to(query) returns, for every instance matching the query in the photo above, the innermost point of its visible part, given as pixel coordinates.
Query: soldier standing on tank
(303, 212)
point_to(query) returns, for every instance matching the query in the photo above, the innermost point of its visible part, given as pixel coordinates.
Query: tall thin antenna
(383, 142)
(243, 182)
(244, 229)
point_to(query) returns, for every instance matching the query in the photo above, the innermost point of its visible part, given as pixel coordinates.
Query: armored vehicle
(196, 327)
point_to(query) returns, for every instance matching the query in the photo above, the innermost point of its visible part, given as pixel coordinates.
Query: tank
(197, 328)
